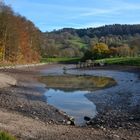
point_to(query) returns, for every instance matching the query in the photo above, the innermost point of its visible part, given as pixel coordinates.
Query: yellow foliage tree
(100, 50)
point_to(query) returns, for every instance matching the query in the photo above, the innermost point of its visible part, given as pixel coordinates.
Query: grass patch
(6, 136)
(132, 61)
(78, 42)
(60, 60)
(6, 64)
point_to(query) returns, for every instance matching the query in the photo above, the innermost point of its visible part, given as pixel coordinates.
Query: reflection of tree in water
(77, 82)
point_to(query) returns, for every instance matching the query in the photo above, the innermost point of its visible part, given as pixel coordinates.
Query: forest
(22, 42)
(120, 40)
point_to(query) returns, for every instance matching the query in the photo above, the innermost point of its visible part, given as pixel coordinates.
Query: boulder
(7, 81)
(86, 118)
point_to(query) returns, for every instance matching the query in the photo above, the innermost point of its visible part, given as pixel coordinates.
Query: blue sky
(48, 15)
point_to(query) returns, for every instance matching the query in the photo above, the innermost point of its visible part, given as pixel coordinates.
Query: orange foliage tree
(20, 40)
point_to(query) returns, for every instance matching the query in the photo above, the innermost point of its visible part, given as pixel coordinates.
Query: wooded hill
(74, 42)
(22, 42)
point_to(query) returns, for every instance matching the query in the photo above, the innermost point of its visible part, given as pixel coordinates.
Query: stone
(88, 122)
(117, 136)
(36, 118)
(71, 119)
(86, 118)
(69, 122)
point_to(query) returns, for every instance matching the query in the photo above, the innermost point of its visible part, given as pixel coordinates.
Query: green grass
(132, 61)
(60, 60)
(75, 42)
(78, 42)
(6, 64)
(6, 136)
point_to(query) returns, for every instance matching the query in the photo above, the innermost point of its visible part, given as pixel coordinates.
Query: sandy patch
(6, 80)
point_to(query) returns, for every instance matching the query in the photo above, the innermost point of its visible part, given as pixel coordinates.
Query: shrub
(6, 136)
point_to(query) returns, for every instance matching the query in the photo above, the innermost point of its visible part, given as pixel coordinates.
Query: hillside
(64, 44)
(22, 42)
(74, 42)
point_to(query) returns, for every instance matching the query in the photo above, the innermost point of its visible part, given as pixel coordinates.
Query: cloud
(95, 12)
(116, 7)
(54, 14)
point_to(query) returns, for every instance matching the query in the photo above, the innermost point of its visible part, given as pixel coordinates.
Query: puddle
(67, 93)
(63, 95)
(73, 103)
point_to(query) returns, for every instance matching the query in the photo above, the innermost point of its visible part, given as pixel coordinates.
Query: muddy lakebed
(114, 109)
(67, 93)
(92, 93)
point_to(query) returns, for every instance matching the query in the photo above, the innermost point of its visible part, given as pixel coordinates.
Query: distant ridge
(74, 42)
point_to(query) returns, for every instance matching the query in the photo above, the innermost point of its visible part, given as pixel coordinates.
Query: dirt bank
(25, 128)
(26, 96)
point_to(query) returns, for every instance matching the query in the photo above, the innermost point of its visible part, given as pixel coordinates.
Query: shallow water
(125, 93)
(74, 103)
(68, 93)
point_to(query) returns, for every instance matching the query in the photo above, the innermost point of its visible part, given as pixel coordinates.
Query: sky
(49, 15)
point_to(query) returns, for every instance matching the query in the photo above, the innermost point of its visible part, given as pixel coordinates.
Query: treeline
(63, 44)
(76, 42)
(116, 29)
(101, 50)
(20, 40)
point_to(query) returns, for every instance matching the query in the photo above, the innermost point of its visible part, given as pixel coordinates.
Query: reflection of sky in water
(126, 82)
(73, 103)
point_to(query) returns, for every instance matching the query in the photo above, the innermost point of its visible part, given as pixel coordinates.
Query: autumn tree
(123, 50)
(100, 50)
(114, 52)
(20, 40)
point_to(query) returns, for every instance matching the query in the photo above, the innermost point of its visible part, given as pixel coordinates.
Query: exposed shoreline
(27, 98)
(27, 102)
(118, 106)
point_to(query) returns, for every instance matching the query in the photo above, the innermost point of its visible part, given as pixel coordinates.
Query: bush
(6, 136)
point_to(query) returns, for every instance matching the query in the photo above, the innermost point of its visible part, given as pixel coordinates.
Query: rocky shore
(25, 113)
(118, 106)
(21, 92)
